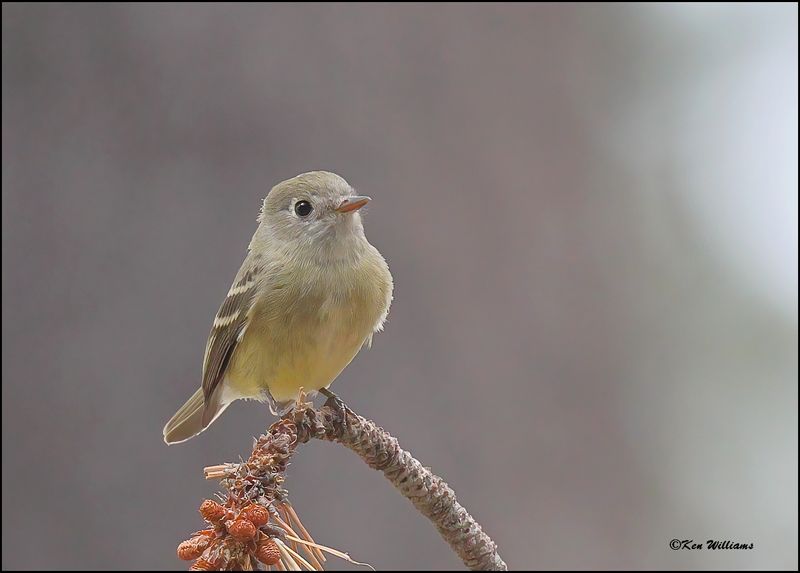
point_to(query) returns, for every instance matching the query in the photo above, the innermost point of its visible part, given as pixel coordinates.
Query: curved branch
(429, 493)
(259, 480)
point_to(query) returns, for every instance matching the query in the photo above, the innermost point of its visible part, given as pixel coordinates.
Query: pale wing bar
(230, 322)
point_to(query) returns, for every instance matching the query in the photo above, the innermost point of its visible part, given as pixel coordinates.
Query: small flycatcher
(310, 293)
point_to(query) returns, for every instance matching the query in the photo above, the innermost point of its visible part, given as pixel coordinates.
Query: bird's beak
(352, 203)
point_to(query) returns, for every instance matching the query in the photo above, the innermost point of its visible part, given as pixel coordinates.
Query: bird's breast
(305, 330)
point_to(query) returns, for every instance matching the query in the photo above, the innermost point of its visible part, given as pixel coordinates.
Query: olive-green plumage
(310, 293)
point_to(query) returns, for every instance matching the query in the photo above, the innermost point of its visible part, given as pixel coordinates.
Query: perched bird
(310, 293)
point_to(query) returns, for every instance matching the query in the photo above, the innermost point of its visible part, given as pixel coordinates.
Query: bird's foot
(337, 404)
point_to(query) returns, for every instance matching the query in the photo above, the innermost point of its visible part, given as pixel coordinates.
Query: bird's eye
(303, 208)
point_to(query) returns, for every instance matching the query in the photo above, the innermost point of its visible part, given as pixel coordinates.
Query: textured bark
(428, 492)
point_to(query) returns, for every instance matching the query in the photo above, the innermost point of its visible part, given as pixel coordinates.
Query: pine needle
(335, 552)
(297, 557)
(303, 530)
(286, 557)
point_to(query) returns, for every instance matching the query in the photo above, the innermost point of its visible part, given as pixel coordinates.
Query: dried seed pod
(212, 511)
(267, 551)
(259, 515)
(189, 550)
(242, 529)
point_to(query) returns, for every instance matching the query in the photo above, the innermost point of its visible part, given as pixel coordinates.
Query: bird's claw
(337, 404)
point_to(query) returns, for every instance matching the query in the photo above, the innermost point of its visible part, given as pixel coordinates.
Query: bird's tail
(188, 420)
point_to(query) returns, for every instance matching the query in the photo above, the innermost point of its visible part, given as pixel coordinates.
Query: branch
(257, 483)
(429, 493)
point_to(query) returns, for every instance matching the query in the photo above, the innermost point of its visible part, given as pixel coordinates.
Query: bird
(309, 295)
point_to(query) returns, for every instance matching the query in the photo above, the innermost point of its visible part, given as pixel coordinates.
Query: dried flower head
(212, 511)
(258, 514)
(241, 529)
(189, 550)
(267, 551)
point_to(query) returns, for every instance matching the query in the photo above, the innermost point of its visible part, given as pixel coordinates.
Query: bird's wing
(229, 326)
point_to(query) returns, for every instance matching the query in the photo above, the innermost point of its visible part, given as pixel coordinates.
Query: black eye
(303, 208)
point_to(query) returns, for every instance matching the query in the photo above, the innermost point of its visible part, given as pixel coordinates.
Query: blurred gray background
(590, 213)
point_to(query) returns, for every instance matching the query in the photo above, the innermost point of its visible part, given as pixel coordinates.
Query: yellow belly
(283, 366)
(305, 341)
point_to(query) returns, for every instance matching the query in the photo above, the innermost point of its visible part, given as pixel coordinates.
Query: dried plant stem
(428, 492)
